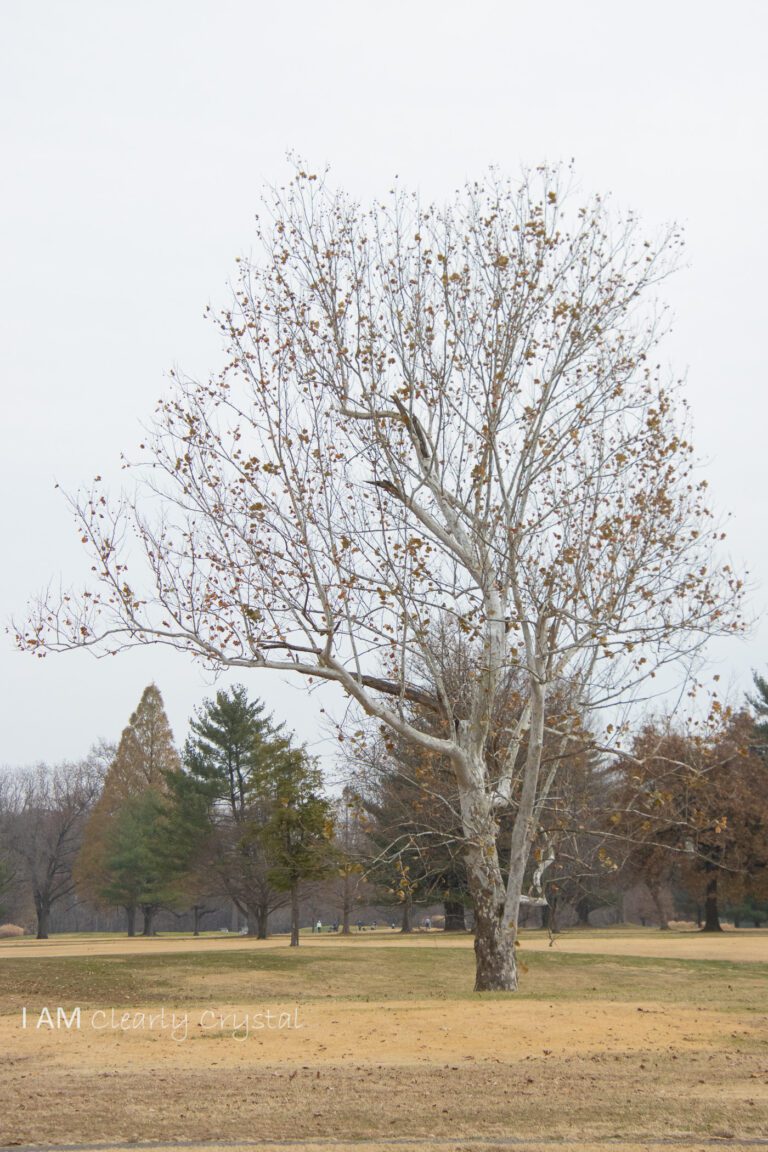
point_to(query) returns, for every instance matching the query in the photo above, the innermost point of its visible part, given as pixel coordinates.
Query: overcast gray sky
(135, 137)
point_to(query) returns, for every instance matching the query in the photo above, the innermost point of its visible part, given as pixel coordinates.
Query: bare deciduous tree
(46, 808)
(426, 414)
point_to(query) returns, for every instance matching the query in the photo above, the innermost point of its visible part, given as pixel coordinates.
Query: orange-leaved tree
(122, 860)
(690, 805)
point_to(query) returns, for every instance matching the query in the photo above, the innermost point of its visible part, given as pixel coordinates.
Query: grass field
(629, 1038)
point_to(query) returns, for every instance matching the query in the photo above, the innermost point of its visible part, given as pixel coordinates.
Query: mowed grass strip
(376, 974)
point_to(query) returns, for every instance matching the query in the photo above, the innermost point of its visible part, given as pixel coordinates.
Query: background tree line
(240, 818)
(240, 815)
(678, 820)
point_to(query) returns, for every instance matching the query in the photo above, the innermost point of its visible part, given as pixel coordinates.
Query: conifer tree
(759, 704)
(298, 836)
(120, 835)
(139, 872)
(230, 759)
(146, 752)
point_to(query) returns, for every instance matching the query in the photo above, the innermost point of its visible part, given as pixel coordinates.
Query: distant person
(319, 925)
(359, 925)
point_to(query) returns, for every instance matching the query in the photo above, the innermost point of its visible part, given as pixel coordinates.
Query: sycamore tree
(426, 413)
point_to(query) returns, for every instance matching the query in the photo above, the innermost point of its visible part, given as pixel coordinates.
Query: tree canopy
(427, 414)
(121, 860)
(266, 818)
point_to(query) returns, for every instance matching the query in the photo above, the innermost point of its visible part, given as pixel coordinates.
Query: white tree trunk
(495, 966)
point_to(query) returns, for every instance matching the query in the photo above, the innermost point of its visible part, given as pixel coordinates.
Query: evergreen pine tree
(759, 705)
(299, 833)
(230, 759)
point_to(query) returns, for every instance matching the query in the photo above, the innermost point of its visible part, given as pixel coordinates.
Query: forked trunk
(258, 921)
(497, 904)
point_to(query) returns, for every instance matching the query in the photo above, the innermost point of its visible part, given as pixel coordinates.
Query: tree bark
(131, 915)
(507, 901)
(262, 922)
(495, 965)
(496, 905)
(406, 924)
(148, 912)
(494, 929)
(295, 916)
(711, 908)
(454, 916)
(43, 910)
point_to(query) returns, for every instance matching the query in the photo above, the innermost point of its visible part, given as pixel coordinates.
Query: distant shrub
(10, 930)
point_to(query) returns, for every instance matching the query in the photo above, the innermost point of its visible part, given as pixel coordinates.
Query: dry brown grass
(598, 1048)
(10, 931)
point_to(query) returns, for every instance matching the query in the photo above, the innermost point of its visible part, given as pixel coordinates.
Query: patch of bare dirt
(608, 1097)
(415, 1032)
(437, 1071)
